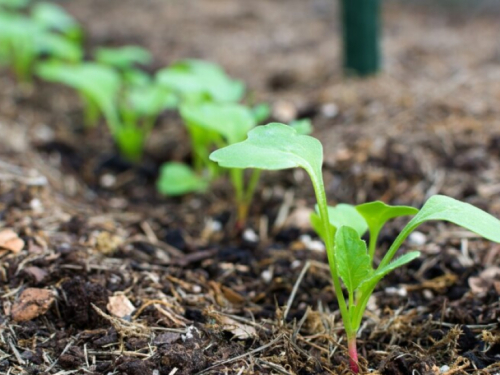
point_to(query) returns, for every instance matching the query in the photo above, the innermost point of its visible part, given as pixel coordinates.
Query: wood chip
(9, 240)
(120, 306)
(32, 303)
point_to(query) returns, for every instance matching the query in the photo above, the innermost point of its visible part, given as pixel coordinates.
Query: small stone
(329, 110)
(444, 369)
(267, 276)
(250, 235)
(107, 180)
(417, 239)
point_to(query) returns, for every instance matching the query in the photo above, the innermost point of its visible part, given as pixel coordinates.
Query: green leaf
(381, 272)
(14, 4)
(54, 17)
(231, 121)
(150, 100)
(340, 215)
(353, 261)
(274, 146)
(303, 126)
(378, 213)
(440, 207)
(197, 80)
(178, 179)
(346, 214)
(58, 46)
(123, 57)
(99, 83)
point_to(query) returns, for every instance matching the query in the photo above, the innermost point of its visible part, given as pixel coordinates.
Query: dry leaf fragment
(239, 330)
(36, 273)
(481, 284)
(9, 240)
(120, 306)
(32, 303)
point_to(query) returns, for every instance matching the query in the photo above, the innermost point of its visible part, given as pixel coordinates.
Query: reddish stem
(353, 355)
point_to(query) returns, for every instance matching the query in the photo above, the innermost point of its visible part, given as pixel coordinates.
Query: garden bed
(198, 296)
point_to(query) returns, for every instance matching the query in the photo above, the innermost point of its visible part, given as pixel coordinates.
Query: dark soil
(208, 300)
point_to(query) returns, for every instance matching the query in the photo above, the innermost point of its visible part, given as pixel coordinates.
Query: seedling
(216, 125)
(130, 112)
(25, 40)
(198, 81)
(53, 17)
(278, 146)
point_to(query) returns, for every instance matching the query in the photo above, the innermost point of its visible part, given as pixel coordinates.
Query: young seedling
(26, 40)
(51, 16)
(278, 146)
(196, 81)
(130, 112)
(217, 125)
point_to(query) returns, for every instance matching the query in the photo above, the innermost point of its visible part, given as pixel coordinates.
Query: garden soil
(101, 275)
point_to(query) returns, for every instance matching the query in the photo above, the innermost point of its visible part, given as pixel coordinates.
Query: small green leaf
(440, 207)
(123, 57)
(179, 179)
(353, 261)
(303, 126)
(381, 272)
(341, 214)
(346, 214)
(231, 121)
(99, 83)
(378, 213)
(197, 80)
(58, 46)
(274, 146)
(52, 16)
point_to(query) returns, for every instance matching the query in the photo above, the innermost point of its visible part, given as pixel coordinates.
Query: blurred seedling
(49, 33)
(277, 146)
(129, 112)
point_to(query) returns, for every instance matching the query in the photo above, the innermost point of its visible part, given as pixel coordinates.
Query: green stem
(319, 190)
(373, 242)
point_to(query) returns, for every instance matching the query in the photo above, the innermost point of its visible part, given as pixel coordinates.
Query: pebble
(107, 180)
(417, 239)
(250, 235)
(267, 276)
(329, 110)
(396, 291)
(444, 369)
(310, 244)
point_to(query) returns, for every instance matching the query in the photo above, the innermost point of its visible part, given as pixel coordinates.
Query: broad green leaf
(123, 57)
(98, 82)
(346, 214)
(197, 80)
(274, 146)
(378, 213)
(303, 126)
(440, 207)
(150, 100)
(14, 4)
(231, 121)
(353, 261)
(381, 272)
(58, 46)
(340, 215)
(52, 16)
(178, 179)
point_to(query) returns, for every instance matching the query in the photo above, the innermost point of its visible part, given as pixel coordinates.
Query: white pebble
(250, 235)
(417, 238)
(444, 369)
(329, 110)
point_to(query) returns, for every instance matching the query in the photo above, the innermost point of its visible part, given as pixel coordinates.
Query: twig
(259, 349)
(294, 290)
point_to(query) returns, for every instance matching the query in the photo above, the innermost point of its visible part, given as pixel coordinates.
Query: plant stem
(373, 242)
(353, 353)
(319, 189)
